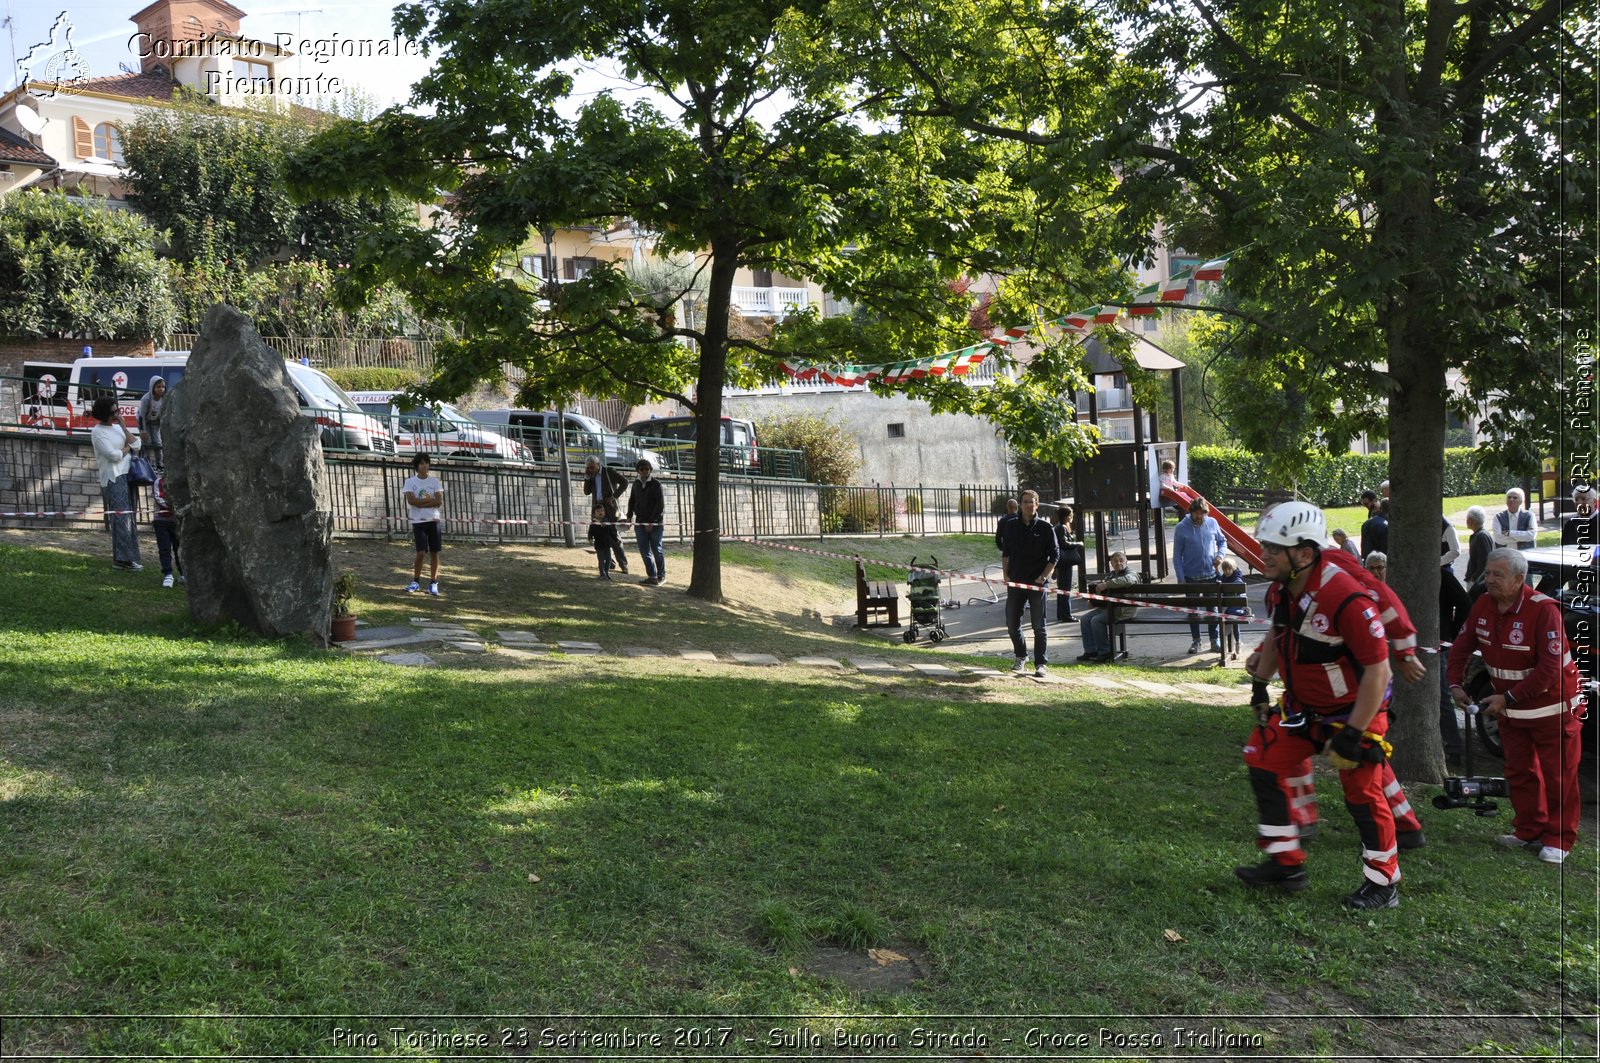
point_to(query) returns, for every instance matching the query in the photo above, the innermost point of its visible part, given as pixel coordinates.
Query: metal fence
(322, 352)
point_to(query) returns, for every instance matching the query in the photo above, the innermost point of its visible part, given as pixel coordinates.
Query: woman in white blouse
(114, 447)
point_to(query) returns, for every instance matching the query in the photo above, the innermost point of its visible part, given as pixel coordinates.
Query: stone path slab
(468, 647)
(818, 662)
(1103, 682)
(938, 671)
(1164, 689)
(589, 648)
(412, 660)
(755, 658)
(985, 673)
(698, 655)
(529, 652)
(642, 651)
(871, 664)
(433, 621)
(516, 636)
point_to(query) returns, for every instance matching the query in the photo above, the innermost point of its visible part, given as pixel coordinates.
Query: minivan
(343, 424)
(675, 438)
(586, 437)
(439, 429)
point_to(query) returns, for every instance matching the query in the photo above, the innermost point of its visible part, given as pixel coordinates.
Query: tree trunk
(1416, 482)
(706, 578)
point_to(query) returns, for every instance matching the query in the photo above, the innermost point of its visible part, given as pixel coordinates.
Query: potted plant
(344, 621)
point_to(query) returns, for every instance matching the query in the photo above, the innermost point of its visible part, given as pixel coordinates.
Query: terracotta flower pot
(344, 628)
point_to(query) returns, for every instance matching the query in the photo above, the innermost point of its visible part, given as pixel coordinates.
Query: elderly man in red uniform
(1329, 646)
(1536, 696)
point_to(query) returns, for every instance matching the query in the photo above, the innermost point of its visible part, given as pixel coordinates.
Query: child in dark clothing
(165, 524)
(1231, 573)
(604, 538)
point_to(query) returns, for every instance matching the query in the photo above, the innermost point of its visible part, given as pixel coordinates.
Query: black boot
(1289, 879)
(1372, 895)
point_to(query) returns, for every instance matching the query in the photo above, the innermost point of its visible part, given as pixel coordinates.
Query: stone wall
(936, 449)
(483, 500)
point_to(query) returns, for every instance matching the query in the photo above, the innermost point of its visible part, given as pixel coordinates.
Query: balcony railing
(770, 302)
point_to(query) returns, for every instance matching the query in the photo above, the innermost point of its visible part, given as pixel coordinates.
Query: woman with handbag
(1071, 561)
(114, 449)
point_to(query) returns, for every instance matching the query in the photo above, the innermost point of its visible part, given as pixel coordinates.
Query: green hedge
(362, 378)
(1336, 481)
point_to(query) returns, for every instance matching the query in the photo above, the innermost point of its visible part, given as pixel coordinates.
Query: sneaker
(1511, 841)
(1290, 878)
(1040, 671)
(1088, 656)
(413, 587)
(1020, 667)
(1372, 895)
(181, 579)
(649, 581)
(128, 566)
(433, 589)
(1308, 831)
(166, 581)
(1410, 839)
(1551, 855)
(624, 570)
(1194, 647)
(1105, 658)
(1216, 647)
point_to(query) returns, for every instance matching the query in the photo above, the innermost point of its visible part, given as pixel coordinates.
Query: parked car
(440, 429)
(343, 424)
(674, 437)
(586, 437)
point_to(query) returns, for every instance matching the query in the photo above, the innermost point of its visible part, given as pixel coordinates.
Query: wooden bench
(876, 597)
(1216, 597)
(1255, 499)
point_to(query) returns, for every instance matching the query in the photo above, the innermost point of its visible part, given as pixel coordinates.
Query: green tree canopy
(762, 147)
(71, 269)
(213, 180)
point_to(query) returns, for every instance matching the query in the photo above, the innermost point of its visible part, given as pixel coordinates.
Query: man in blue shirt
(1028, 554)
(1197, 549)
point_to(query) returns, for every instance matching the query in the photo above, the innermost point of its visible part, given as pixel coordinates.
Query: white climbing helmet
(1293, 523)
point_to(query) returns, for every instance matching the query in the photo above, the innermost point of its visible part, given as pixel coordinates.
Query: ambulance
(343, 424)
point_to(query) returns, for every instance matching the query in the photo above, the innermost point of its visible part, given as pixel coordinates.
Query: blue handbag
(140, 472)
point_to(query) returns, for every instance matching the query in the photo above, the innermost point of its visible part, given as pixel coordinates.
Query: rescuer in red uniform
(1329, 647)
(1536, 696)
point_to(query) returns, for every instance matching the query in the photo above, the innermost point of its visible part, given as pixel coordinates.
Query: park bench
(876, 597)
(1253, 499)
(1216, 597)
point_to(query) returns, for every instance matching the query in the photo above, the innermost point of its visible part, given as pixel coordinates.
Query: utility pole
(549, 234)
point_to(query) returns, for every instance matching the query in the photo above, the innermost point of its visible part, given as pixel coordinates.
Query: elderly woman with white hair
(1514, 526)
(1479, 543)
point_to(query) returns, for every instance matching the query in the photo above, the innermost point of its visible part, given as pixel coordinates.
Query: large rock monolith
(245, 474)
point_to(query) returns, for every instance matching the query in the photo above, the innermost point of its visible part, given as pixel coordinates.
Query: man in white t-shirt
(424, 494)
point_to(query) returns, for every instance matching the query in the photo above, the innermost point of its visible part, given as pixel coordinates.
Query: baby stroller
(923, 594)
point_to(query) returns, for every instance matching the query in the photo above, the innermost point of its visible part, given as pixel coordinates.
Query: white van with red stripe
(343, 424)
(439, 429)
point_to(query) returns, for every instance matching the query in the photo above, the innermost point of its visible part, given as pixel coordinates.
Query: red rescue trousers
(1279, 760)
(1542, 758)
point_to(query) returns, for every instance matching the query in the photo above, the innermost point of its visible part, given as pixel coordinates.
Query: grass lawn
(202, 825)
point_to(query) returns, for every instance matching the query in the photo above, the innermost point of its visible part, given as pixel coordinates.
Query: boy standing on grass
(424, 494)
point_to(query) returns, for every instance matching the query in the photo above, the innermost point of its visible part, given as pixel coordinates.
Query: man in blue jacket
(1028, 554)
(1197, 549)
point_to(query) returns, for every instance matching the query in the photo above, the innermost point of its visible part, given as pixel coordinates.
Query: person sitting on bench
(1095, 626)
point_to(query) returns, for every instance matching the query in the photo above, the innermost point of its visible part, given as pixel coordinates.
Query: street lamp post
(549, 234)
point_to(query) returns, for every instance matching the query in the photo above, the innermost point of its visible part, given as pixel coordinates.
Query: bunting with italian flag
(1147, 301)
